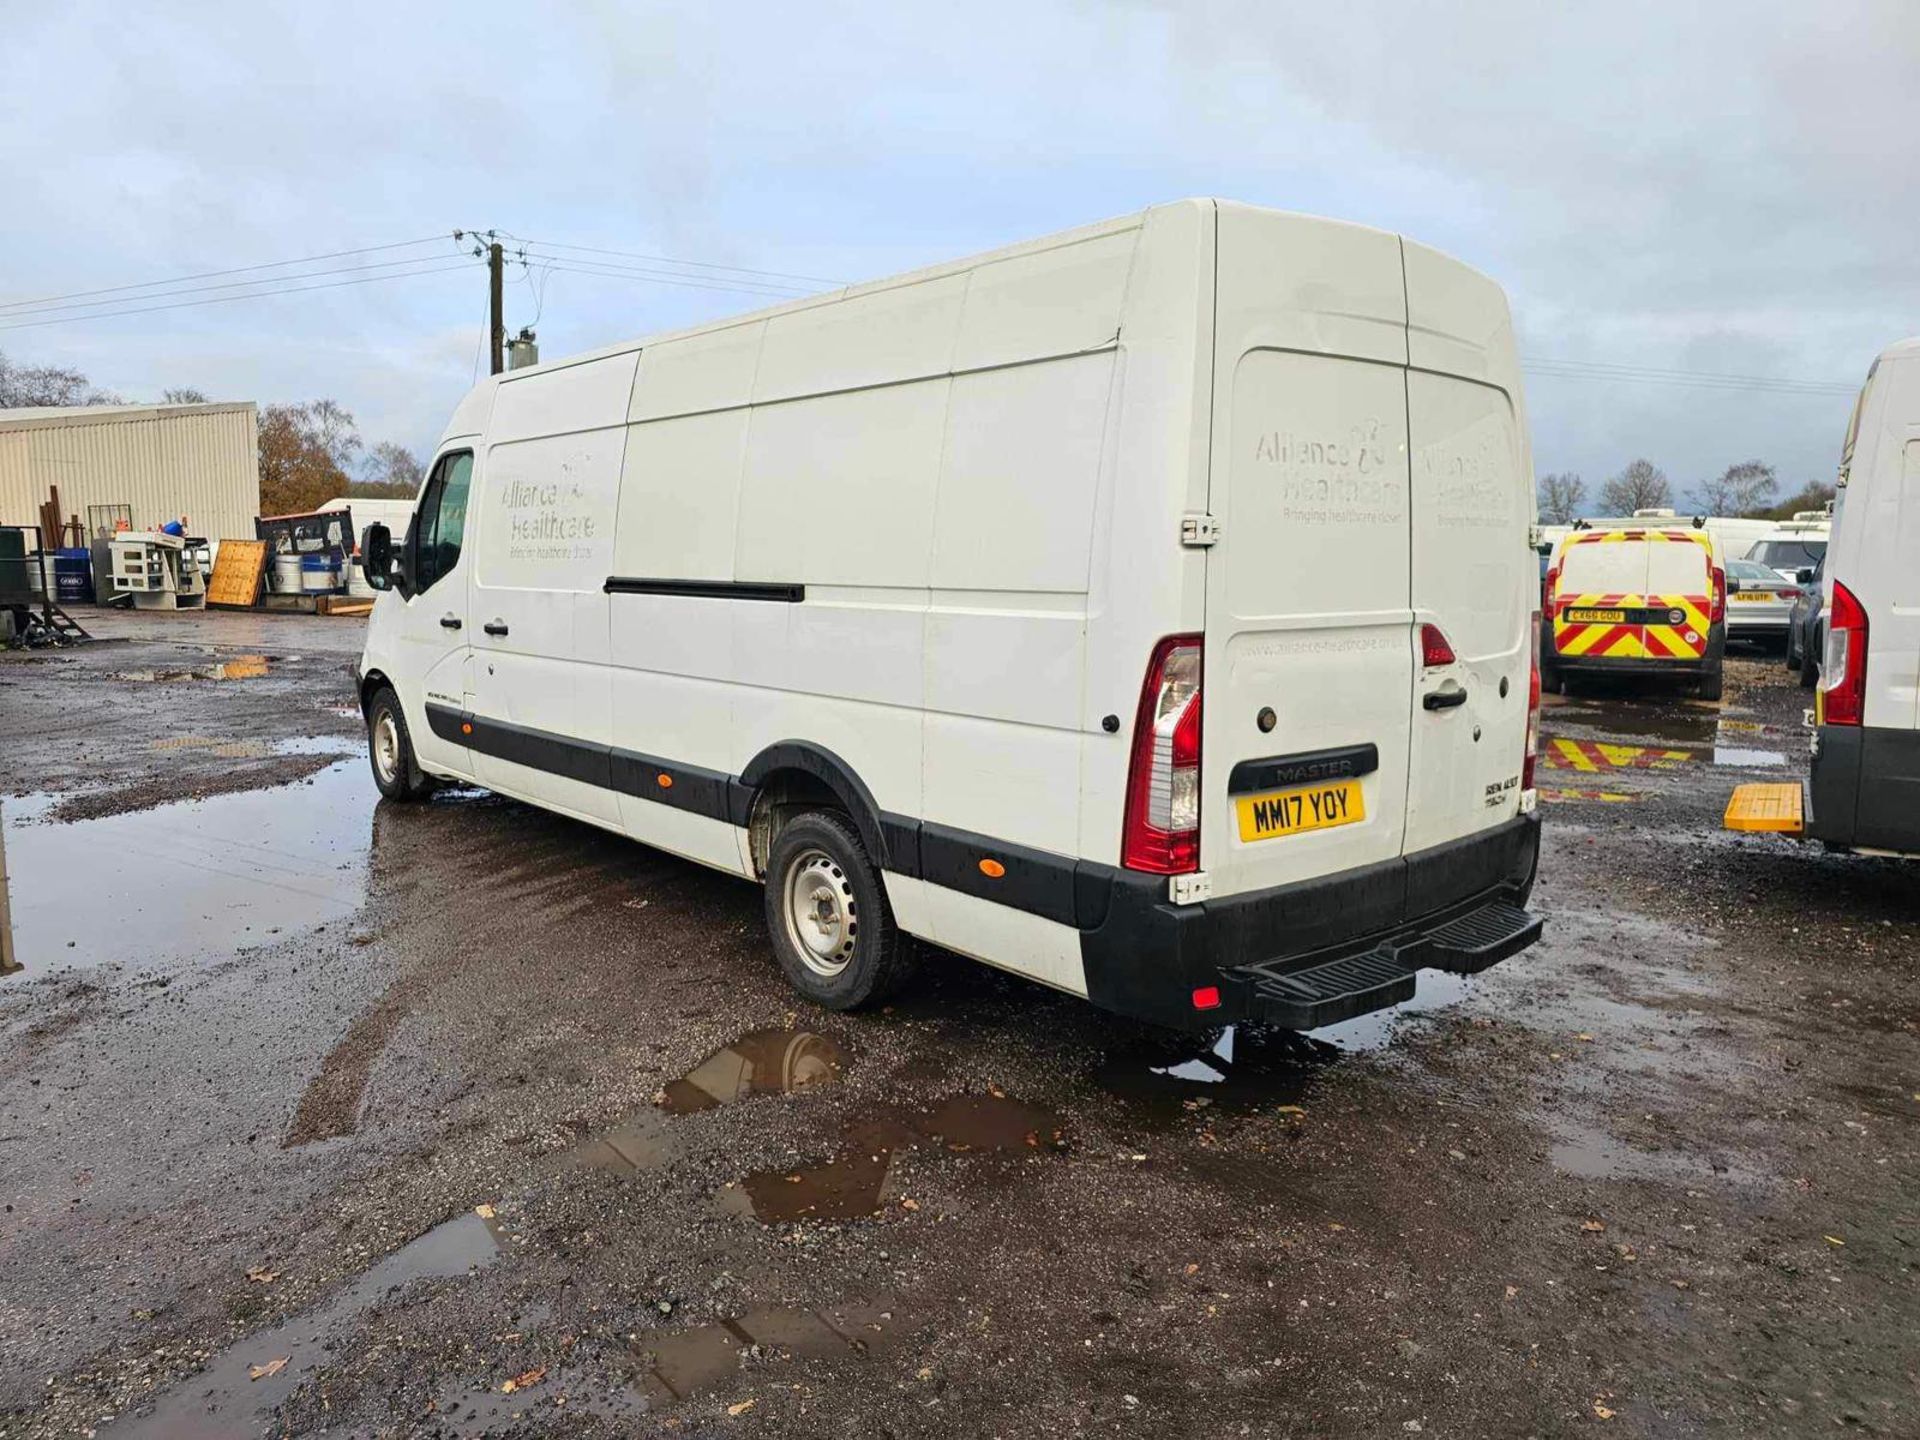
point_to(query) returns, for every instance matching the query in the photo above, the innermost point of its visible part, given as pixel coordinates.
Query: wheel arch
(370, 684)
(798, 774)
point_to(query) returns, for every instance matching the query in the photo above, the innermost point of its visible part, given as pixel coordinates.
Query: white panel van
(1865, 789)
(1147, 609)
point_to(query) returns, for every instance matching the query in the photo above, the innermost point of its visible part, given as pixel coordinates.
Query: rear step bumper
(1304, 995)
(1321, 951)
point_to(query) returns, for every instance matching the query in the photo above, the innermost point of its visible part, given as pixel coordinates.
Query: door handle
(449, 622)
(1443, 699)
(494, 627)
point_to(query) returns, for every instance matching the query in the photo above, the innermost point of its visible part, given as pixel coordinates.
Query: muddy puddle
(1243, 1069)
(250, 748)
(680, 1363)
(239, 667)
(1588, 1152)
(1248, 1068)
(1583, 738)
(852, 1182)
(195, 880)
(234, 1396)
(856, 1181)
(764, 1062)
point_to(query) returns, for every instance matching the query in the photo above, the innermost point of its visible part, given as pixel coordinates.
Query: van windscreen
(1790, 554)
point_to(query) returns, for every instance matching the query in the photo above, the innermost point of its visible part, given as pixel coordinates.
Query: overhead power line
(435, 268)
(697, 264)
(1697, 379)
(275, 280)
(215, 274)
(656, 277)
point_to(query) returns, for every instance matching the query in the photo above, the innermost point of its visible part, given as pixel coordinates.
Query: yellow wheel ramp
(1769, 808)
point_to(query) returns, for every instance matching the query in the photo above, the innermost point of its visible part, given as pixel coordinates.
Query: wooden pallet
(238, 571)
(344, 604)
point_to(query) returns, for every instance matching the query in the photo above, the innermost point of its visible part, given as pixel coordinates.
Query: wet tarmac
(236, 1392)
(1658, 1165)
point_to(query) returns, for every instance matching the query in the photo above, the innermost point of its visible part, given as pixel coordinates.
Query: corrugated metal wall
(200, 462)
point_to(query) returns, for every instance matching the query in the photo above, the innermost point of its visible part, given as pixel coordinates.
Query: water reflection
(192, 880)
(762, 1062)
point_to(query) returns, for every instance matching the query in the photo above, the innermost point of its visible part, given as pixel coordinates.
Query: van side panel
(547, 498)
(1904, 574)
(1142, 585)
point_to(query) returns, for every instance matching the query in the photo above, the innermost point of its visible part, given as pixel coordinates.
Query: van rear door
(1602, 586)
(1308, 662)
(1473, 594)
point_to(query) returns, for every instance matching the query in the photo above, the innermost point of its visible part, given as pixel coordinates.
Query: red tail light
(1552, 587)
(1533, 708)
(1162, 834)
(1434, 649)
(1789, 594)
(1719, 596)
(1843, 669)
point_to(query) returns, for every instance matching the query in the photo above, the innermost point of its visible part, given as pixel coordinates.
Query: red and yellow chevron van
(1637, 601)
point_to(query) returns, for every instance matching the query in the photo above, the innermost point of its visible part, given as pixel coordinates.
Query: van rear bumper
(1865, 788)
(1320, 951)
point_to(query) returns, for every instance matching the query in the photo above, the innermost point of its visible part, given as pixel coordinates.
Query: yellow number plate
(1597, 617)
(1761, 595)
(1293, 812)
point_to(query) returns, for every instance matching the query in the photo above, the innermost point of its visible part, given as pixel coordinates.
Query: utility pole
(498, 336)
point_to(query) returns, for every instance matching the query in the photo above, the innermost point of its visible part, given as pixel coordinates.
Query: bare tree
(1814, 495)
(48, 385)
(184, 396)
(1643, 485)
(392, 472)
(1561, 497)
(1740, 489)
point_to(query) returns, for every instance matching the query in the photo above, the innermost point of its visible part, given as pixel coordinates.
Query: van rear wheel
(1710, 685)
(390, 750)
(828, 916)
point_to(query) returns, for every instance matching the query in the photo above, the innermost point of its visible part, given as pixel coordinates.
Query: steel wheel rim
(386, 745)
(821, 913)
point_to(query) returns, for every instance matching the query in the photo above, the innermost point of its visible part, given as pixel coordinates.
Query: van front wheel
(390, 750)
(828, 916)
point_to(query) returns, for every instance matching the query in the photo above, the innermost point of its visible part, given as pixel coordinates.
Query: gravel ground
(485, 1122)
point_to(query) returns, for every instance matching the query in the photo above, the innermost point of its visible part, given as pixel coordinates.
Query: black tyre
(1809, 670)
(390, 750)
(1793, 651)
(828, 917)
(1710, 685)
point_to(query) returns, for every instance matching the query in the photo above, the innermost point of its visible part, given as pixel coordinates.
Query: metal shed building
(200, 461)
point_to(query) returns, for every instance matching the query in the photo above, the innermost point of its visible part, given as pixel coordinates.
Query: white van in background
(1147, 610)
(1794, 545)
(1865, 789)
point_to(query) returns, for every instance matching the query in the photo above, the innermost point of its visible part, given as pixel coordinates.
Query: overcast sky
(1723, 188)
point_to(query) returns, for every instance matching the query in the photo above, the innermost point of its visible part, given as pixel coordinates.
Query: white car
(1759, 602)
(904, 601)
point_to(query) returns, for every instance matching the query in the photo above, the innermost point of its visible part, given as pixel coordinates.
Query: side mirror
(1804, 575)
(376, 556)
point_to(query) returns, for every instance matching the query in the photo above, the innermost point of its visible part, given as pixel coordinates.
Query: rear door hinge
(1189, 889)
(1198, 530)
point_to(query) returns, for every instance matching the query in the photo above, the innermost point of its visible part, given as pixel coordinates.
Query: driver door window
(443, 520)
